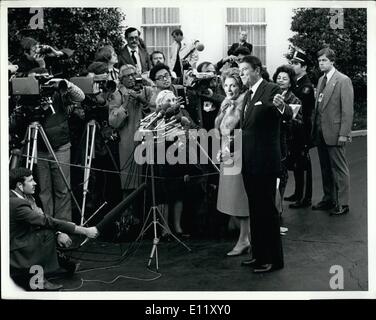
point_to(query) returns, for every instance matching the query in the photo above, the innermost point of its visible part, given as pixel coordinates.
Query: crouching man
(33, 234)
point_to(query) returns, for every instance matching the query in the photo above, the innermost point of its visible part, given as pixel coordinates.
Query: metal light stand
(32, 137)
(154, 211)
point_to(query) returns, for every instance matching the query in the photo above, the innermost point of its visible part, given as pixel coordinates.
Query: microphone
(185, 121)
(199, 46)
(148, 117)
(171, 111)
(160, 115)
(176, 118)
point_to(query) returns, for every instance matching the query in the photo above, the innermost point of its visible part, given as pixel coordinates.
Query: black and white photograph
(176, 150)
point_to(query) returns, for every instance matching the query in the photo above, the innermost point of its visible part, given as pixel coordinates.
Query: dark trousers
(303, 177)
(264, 219)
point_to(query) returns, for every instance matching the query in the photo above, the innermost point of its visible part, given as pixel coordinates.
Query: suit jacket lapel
(317, 95)
(127, 56)
(251, 102)
(328, 91)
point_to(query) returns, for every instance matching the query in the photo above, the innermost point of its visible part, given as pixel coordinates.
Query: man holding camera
(33, 234)
(127, 106)
(54, 193)
(34, 55)
(183, 54)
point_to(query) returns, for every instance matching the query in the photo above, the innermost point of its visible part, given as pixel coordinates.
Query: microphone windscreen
(178, 118)
(200, 46)
(169, 112)
(185, 121)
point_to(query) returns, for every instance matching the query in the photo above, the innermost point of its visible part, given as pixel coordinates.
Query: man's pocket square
(258, 103)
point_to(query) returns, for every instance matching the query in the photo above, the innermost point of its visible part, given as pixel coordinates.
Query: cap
(300, 56)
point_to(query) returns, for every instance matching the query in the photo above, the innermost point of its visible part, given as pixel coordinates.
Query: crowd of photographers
(132, 78)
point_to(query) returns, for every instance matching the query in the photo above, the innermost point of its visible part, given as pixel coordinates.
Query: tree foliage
(314, 30)
(80, 29)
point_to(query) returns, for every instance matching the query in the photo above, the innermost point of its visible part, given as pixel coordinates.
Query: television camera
(201, 81)
(30, 100)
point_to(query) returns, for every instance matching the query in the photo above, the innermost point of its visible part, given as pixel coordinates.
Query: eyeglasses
(163, 77)
(131, 75)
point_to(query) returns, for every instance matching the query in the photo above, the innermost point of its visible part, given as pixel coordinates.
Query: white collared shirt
(137, 55)
(330, 74)
(255, 87)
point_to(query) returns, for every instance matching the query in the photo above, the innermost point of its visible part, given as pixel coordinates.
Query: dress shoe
(49, 286)
(323, 205)
(248, 263)
(300, 204)
(263, 268)
(291, 198)
(340, 210)
(239, 251)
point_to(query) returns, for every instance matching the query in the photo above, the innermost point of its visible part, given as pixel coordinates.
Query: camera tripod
(156, 215)
(33, 130)
(91, 129)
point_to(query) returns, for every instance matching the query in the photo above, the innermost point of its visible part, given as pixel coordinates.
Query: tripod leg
(90, 139)
(32, 139)
(167, 229)
(154, 249)
(51, 151)
(109, 151)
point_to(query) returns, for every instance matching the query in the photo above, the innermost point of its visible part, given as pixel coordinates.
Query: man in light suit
(263, 110)
(333, 117)
(133, 53)
(183, 54)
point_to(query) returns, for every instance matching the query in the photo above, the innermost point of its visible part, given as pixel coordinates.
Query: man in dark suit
(33, 233)
(261, 150)
(242, 43)
(301, 135)
(133, 53)
(333, 117)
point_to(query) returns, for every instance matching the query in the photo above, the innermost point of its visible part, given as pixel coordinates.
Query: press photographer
(50, 103)
(99, 83)
(205, 94)
(34, 55)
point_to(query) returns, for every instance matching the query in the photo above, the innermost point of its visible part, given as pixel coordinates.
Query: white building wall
(206, 22)
(278, 32)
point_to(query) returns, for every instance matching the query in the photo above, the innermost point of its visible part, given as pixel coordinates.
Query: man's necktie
(134, 57)
(323, 84)
(247, 99)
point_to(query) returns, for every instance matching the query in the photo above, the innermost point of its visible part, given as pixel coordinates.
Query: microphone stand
(155, 213)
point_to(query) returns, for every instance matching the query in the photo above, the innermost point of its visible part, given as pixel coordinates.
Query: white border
(9, 291)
